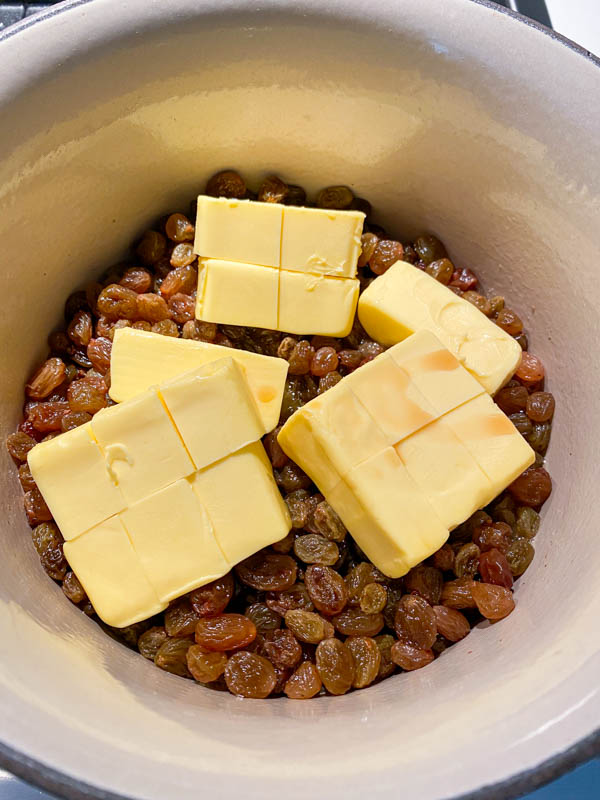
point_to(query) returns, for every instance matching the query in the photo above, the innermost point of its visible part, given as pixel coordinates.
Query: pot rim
(49, 779)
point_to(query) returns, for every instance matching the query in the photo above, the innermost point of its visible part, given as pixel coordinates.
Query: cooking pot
(455, 117)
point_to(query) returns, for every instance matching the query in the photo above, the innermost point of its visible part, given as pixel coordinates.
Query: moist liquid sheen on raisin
(309, 615)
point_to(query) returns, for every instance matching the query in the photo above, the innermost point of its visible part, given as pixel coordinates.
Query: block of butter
(143, 493)
(428, 447)
(405, 299)
(279, 267)
(141, 359)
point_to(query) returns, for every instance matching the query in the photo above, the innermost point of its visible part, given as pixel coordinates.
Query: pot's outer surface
(448, 116)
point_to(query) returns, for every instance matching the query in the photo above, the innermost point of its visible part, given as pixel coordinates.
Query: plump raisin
(519, 556)
(308, 626)
(335, 666)
(267, 571)
(531, 370)
(152, 247)
(367, 660)
(151, 641)
(329, 381)
(181, 619)
(296, 196)
(74, 420)
(522, 423)
(498, 535)
(479, 301)
(512, 399)
(19, 444)
(276, 455)
(182, 280)
(179, 229)
(286, 347)
(98, 352)
(172, 656)
(46, 379)
(313, 548)
(384, 644)
(282, 649)
(539, 437)
(458, 593)
(503, 510)
(532, 487)
(324, 360)
(298, 507)
(205, 667)
(118, 302)
(326, 589)
(47, 417)
(463, 279)
(137, 279)
(328, 523)
(415, 621)
(355, 622)
(296, 597)
(26, 478)
(494, 568)
(373, 598)
(152, 307)
(494, 602)
(509, 321)
(46, 536)
(358, 577)
(429, 248)
(182, 255)
(182, 308)
(450, 623)
(226, 184)
(304, 683)
(73, 589)
(199, 331)
(166, 327)
(466, 561)
(250, 675)
(300, 358)
(338, 197)
(263, 617)
(272, 190)
(410, 656)
(426, 582)
(225, 632)
(442, 270)
(350, 359)
(291, 478)
(443, 559)
(35, 507)
(527, 523)
(540, 406)
(213, 598)
(84, 396)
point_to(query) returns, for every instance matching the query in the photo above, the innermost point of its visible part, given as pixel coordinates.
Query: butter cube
(321, 240)
(141, 359)
(404, 300)
(446, 472)
(387, 514)
(235, 293)
(141, 446)
(239, 230)
(492, 439)
(316, 304)
(71, 474)
(111, 574)
(174, 541)
(213, 411)
(243, 503)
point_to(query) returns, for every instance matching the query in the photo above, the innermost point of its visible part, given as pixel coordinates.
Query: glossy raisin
(450, 623)
(46, 379)
(512, 399)
(308, 626)
(26, 478)
(367, 660)
(225, 632)
(373, 598)
(358, 577)
(118, 302)
(458, 593)
(47, 417)
(179, 229)
(527, 523)
(498, 535)
(182, 280)
(291, 478)
(150, 642)
(466, 560)
(137, 279)
(519, 556)
(338, 197)
(276, 455)
(267, 571)
(494, 602)
(312, 548)
(328, 523)
(226, 184)
(205, 667)
(296, 597)
(335, 666)
(172, 656)
(304, 683)
(540, 406)
(19, 444)
(326, 589)
(494, 568)
(73, 589)
(355, 622)
(442, 270)
(426, 582)
(152, 247)
(415, 621)
(532, 488)
(84, 396)
(282, 649)
(410, 656)
(443, 559)
(384, 643)
(181, 619)
(531, 370)
(35, 507)
(273, 190)
(263, 617)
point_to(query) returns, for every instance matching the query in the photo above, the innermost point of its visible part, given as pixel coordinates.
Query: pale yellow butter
(141, 359)
(243, 502)
(71, 474)
(315, 304)
(239, 230)
(111, 574)
(235, 293)
(142, 448)
(404, 300)
(213, 410)
(321, 240)
(174, 540)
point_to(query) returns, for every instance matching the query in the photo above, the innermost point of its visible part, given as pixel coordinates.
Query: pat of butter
(71, 474)
(239, 230)
(143, 450)
(406, 448)
(321, 240)
(174, 540)
(316, 304)
(404, 300)
(110, 571)
(235, 293)
(243, 502)
(141, 359)
(154, 525)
